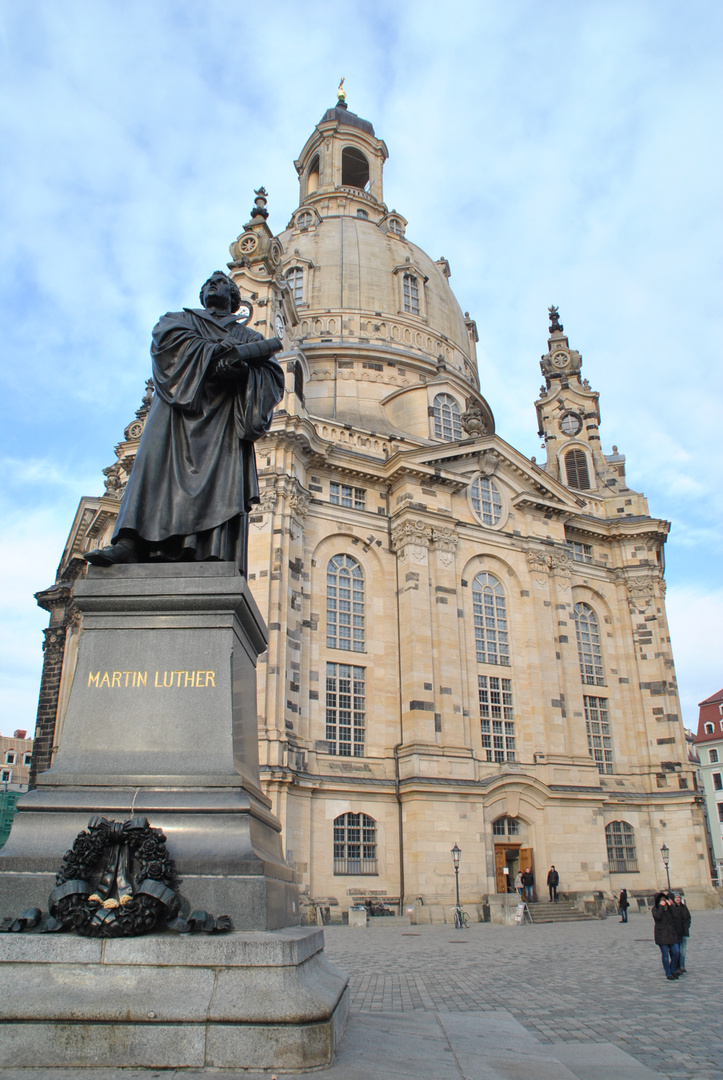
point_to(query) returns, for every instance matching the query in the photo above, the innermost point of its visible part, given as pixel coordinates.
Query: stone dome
(358, 264)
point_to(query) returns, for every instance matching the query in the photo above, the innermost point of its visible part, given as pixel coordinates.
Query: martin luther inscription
(182, 679)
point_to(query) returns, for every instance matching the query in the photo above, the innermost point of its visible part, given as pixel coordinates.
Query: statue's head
(221, 284)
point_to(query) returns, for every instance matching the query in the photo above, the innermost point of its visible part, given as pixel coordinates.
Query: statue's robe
(194, 476)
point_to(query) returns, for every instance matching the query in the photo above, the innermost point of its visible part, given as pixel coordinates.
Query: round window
(304, 220)
(570, 424)
(486, 500)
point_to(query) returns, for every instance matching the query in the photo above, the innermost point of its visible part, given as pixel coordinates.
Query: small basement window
(354, 168)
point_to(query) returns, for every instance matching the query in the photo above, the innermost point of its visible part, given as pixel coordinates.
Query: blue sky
(559, 153)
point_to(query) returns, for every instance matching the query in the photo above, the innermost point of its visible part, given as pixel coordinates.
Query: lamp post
(665, 852)
(456, 853)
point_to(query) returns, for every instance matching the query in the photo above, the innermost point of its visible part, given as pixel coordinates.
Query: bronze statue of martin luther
(194, 476)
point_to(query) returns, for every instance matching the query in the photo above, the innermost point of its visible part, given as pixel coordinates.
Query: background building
(464, 645)
(709, 744)
(16, 753)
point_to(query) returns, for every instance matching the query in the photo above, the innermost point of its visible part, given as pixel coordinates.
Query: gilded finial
(341, 93)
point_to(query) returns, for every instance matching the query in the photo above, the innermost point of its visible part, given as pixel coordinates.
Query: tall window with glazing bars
(345, 709)
(411, 294)
(599, 736)
(344, 604)
(295, 277)
(620, 840)
(447, 418)
(589, 653)
(491, 631)
(496, 718)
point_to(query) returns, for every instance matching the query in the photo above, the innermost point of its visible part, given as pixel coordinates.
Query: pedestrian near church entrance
(528, 882)
(518, 884)
(666, 934)
(553, 880)
(623, 905)
(682, 918)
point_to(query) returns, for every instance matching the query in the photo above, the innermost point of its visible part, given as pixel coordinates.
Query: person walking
(553, 880)
(518, 884)
(666, 934)
(528, 881)
(682, 918)
(623, 905)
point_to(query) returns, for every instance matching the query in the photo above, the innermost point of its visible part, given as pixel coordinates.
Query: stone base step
(559, 912)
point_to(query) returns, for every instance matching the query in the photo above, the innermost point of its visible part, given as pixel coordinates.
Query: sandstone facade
(465, 645)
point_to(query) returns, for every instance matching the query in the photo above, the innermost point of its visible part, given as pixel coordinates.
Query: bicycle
(461, 919)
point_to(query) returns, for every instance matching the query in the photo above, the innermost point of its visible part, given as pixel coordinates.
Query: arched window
(486, 500)
(709, 729)
(312, 183)
(411, 294)
(295, 277)
(395, 226)
(576, 468)
(490, 620)
(299, 381)
(506, 826)
(355, 844)
(447, 418)
(354, 168)
(362, 214)
(589, 653)
(599, 737)
(620, 840)
(344, 604)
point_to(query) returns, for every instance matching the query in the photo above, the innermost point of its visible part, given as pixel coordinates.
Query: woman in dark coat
(682, 919)
(623, 905)
(666, 934)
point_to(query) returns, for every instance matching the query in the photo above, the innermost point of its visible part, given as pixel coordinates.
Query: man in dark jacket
(666, 934)
(553, 880)
(682, 919)
(528, 881)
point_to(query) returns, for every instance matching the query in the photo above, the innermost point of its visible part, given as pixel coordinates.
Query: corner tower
(568, 417)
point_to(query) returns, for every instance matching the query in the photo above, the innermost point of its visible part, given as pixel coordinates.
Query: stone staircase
(562, 911)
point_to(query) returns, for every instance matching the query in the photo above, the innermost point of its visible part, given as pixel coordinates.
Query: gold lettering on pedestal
(135, 680)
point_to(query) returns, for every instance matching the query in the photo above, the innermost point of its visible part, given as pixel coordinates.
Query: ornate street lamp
(456, 853)
(665, 852)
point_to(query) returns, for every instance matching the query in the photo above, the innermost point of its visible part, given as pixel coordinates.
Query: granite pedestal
(161, 721)
(259, 1000)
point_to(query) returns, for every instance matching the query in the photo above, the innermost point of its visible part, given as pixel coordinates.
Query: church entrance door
(507, 857)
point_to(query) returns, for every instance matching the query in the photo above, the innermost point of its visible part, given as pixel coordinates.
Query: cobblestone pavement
(584, 981)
